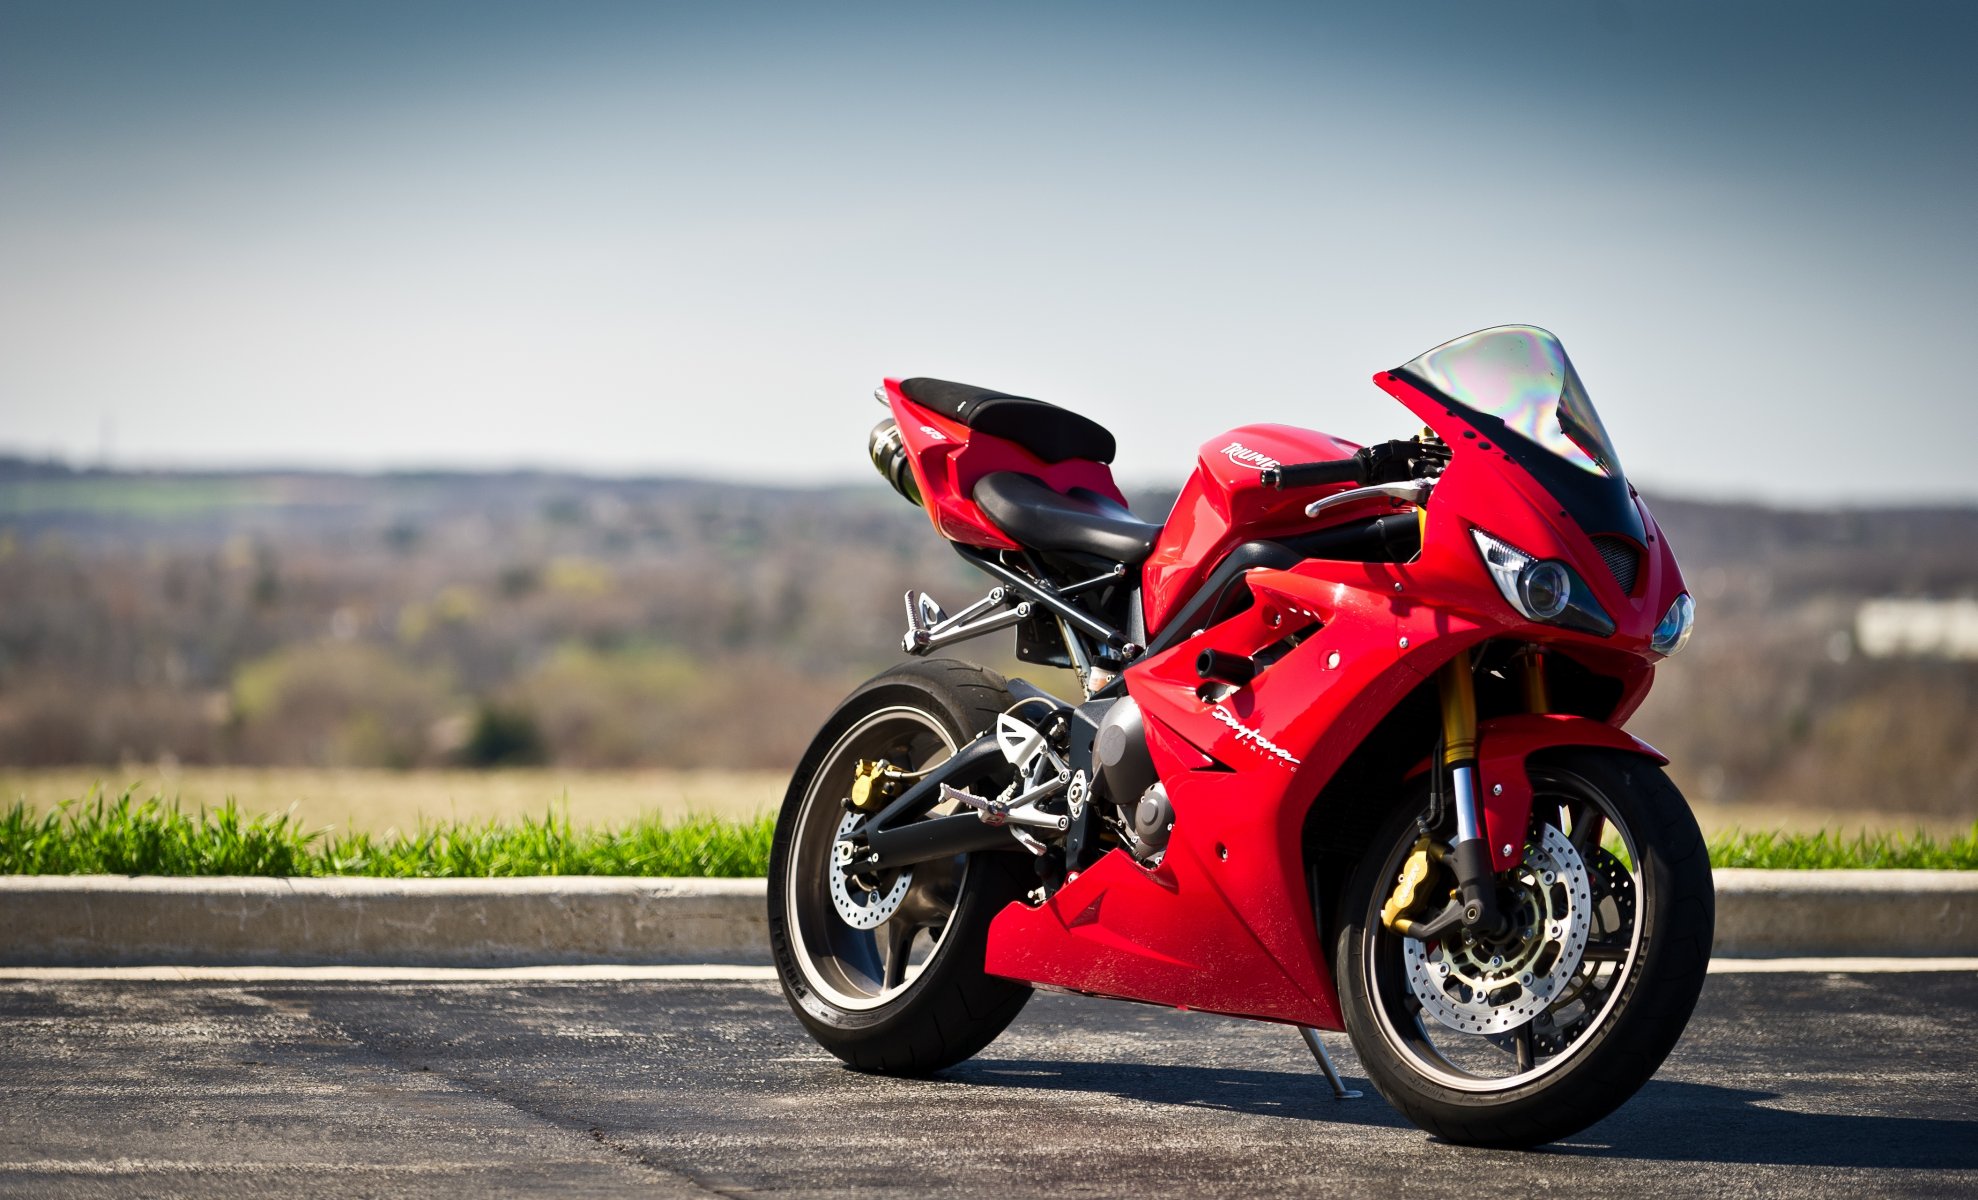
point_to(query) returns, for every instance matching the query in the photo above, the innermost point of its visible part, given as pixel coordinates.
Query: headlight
(1542, 589)
(1545, 589)
(1673, 633)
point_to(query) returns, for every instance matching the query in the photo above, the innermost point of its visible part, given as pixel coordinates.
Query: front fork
(1469, 856)
(1474, 905)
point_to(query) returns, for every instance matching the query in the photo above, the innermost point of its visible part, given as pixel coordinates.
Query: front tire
(906, 994)
(1535, 1052)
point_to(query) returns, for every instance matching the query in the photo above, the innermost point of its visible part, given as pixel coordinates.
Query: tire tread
(956, 1007)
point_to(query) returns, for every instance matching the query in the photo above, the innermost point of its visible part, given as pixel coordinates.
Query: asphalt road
(1786, 1084)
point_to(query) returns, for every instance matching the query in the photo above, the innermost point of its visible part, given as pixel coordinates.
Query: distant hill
(414, 618)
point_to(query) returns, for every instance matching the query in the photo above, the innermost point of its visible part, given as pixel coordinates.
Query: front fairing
(1496, 490)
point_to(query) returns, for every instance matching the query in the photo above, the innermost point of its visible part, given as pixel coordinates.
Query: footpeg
(929, 627)
(1021, 811)
(924, 614)
(992, 812)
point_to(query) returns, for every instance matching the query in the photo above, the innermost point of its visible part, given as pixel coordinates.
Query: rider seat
(1051, 433)
(1082, 522)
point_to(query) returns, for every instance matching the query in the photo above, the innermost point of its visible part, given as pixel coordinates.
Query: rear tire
(1633, 1002)
(851, 988)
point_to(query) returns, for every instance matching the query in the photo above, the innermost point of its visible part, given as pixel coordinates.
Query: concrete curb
(115, 920)
(1763, 914)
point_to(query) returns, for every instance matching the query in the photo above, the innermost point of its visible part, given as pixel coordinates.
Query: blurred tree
(504, 737)
(338, 704)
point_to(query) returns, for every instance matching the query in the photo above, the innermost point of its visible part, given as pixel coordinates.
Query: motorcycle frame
(1266, 821)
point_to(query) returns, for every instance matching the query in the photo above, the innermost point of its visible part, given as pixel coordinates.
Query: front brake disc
(1474, 986)
(1613, 919)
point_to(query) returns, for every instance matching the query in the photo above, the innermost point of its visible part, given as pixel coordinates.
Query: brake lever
(1412, 491)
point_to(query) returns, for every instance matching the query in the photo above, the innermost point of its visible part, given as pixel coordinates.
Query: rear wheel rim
(863, 969)
(1588, 1003)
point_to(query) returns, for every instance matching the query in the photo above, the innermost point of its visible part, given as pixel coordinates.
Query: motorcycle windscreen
(1515, 384)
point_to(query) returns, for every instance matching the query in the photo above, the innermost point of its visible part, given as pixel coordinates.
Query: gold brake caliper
(1408, 889)
(874, 785)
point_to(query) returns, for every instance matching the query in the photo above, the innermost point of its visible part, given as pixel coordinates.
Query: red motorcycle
(1349, 754)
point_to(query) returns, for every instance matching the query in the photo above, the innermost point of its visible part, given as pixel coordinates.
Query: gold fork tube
(1531, 673)
(1459, 711)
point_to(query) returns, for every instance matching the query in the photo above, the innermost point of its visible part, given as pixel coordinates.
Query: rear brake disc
(857, 906)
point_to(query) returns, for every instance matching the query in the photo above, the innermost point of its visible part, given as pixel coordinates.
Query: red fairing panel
(1225, 504)
(949, 458)
(1226, 923)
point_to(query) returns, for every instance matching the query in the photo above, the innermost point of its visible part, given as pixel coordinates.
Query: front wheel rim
(863, 969)
(1589, 1001)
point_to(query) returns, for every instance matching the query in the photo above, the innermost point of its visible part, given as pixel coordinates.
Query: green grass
(128, 836)
(1865, 850)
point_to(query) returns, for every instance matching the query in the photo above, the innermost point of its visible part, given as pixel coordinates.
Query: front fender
(1505, 787)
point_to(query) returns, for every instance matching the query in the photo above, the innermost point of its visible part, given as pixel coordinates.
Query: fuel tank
(1225, 504)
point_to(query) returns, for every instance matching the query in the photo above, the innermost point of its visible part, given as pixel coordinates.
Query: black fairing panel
(1395, 537)
(1598, 503)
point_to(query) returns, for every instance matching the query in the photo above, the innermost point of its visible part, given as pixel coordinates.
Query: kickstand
(1339, 1089)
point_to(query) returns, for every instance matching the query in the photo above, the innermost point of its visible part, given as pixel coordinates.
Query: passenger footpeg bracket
(1021, 811)
(929, 627)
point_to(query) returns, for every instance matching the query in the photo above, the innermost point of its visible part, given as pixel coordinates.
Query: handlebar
(1383, 462)
(1313, 474)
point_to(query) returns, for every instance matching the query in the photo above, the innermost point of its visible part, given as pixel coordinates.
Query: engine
(1126, 774)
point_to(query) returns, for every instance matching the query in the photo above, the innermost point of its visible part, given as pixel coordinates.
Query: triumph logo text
(1244, 456)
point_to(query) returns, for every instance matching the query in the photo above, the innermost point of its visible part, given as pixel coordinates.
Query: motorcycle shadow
(1669, 1120)
(1676, 1121)
(1286, 1094)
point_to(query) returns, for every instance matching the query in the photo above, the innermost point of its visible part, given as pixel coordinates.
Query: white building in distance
(1918, 628)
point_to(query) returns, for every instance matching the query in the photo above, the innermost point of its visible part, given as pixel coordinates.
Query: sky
(691, 239)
